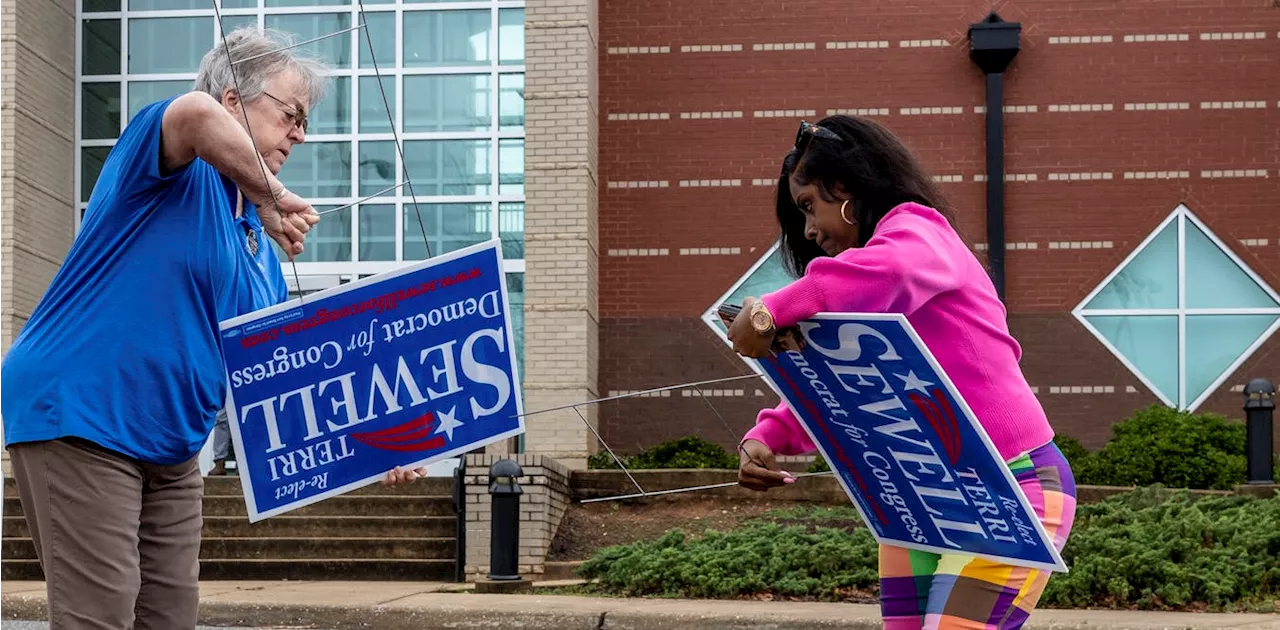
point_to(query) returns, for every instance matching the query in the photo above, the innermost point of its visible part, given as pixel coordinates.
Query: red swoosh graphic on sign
(950, 439)
(403, 437)
(949, 415)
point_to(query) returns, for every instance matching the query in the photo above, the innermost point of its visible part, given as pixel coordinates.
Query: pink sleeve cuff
(780, 430)
(795, 302)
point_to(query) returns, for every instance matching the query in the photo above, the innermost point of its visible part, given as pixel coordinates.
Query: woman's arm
(914, 256)
(780, 430)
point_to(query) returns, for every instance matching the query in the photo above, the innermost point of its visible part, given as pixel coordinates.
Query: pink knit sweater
(916, 264)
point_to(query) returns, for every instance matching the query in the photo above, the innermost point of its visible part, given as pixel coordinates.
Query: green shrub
(1161, 445)
(1072, 449)
(818, 465)
(1152, 549)
(757, 559)
(1147, 549)
(685, 452)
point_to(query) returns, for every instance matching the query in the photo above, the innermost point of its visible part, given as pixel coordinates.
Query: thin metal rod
(360, 201)
(262, 166)
(606, 447)
(404, 165)
(690, 489)
(634, 394)
(733, 435)
(292, 46)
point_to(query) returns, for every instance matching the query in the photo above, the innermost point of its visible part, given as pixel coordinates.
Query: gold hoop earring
(842, 214)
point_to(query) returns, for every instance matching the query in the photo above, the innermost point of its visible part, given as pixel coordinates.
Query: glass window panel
(1150, 280)
(449, 227)
(239, 4)
(143, 93)
(333, 114)
(511, 230)
(373, 109)
(166, 5)
(382, 27)
(1216, 281)
(100, 111)
(335, 51)
(169, 44)
(1214, 342)
(319, 169)
(100, 47)
(1149, 343)
(377, 167)
(91, 161)
(233, 22)
(510, 36)
(515, 297)
(510, 102)
(447, 102)
(89, 6)
(511, 167)
(449, 167)
(306, 3)
(329, 240)
(446, 38)
(378, 232)
(767, 278)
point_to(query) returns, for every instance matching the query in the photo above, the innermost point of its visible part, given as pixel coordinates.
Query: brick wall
(545, 487)
(1116, 113)
(561, 318)
(37, 120)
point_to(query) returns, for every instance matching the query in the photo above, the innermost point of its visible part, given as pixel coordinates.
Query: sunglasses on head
(808, 131)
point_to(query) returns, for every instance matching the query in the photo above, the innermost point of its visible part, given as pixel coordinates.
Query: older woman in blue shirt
(111, 388)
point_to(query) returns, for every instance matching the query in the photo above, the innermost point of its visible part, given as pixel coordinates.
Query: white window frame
(391, 72)
(1182, 214)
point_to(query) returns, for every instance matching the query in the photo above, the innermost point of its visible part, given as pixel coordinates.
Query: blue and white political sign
(904, 444)
(400, 369)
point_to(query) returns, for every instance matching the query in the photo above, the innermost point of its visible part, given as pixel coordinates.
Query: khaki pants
(118, 539)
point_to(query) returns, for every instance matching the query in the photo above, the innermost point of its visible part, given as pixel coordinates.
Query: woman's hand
(746, 341)
(399, 476)
(758, 470)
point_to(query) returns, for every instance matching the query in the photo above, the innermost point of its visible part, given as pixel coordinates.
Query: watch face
(760, 321)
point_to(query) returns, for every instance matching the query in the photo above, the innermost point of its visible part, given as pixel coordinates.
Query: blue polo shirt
(123, 349)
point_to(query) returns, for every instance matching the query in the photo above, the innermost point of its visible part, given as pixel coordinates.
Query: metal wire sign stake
(408, 182)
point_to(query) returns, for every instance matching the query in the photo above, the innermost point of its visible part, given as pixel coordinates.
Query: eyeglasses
(808, 131)
(298, 116)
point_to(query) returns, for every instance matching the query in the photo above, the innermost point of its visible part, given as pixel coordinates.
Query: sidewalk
(422, 605)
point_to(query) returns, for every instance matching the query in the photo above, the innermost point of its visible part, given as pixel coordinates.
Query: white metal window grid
(1182, 214)
(393, 82)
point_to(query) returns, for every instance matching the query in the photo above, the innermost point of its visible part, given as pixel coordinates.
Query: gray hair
(263, 64)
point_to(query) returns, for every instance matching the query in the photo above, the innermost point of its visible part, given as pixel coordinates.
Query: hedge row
(1157, 445)
(1147, 549)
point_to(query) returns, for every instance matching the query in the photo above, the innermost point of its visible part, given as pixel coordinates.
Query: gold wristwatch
(761, 318)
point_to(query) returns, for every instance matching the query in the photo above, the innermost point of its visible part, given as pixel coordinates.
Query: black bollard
(504, 540)
(1259, 406)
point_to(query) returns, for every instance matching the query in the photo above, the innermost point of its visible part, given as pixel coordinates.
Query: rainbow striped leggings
(928, 591)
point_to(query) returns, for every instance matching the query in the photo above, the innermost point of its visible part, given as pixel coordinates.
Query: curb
(464, 611)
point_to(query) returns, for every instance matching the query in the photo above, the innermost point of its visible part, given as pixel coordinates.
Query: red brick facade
(1179, 88)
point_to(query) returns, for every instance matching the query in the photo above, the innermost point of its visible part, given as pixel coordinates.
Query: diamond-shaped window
(766, 276)
(1182, 311)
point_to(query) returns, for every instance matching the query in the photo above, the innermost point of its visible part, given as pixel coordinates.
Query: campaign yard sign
(400, 369)
(904, 444)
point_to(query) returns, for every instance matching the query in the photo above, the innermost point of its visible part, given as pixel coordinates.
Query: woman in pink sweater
(865, 230)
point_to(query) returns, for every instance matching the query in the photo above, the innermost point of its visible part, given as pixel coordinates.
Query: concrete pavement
(421, 605)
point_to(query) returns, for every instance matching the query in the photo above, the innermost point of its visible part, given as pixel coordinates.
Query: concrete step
(291, 548)
(317, 569)
(333, 506)
(431, 486)
(230, 486)
(303, 526)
